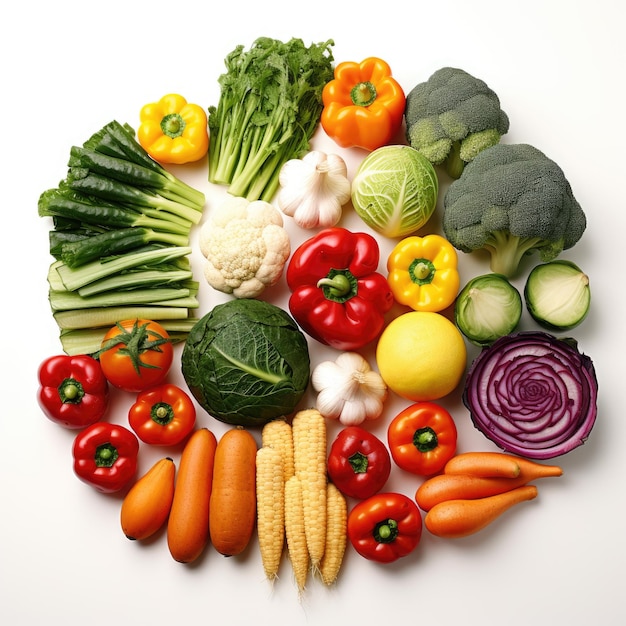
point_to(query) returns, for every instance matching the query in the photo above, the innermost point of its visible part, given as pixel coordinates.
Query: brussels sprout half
(487, 308)
(557, 295)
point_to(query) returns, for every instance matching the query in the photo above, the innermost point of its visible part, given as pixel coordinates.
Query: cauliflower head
(245, 246)
(452, 117)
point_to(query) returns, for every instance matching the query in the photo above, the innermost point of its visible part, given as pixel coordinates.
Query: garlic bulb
(348, 389)
(314, 189)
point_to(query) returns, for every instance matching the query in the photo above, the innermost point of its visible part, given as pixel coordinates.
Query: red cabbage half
(533, 394)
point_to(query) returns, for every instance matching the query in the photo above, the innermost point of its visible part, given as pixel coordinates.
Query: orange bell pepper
(173, 130)
(363, 104)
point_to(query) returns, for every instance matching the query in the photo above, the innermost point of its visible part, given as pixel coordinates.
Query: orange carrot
(188, 524)
(459, 518)
(532, 470)
(233, 499)
(147, 505)
(486, 464)
(462, 487)
(499, 464)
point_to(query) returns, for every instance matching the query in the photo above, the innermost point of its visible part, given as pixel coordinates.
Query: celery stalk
(108, 316)
(79, 277)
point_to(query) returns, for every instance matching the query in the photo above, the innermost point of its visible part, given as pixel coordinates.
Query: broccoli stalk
(512, 200)
(507, 250)
(269, 108)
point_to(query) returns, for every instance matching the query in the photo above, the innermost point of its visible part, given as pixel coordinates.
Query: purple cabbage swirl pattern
(533, 394)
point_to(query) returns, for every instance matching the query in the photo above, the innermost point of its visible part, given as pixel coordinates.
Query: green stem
(162, 413)
(359, 462)
(363, 94)
(338, 285)
(386, 531)
(106, 455)
(425, 439)
(173, 125)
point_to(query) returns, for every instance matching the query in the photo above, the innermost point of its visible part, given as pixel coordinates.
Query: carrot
(461, 486)
(188, 524)
(459, 518)
(499, 464)
(486, 464)
(147, 504)
(233, 498)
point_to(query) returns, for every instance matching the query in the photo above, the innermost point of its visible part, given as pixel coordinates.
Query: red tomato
(136, 354)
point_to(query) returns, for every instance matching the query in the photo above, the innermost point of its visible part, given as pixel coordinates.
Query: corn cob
(294, 529)
(309, 442)
(277, 434)
(270, 494)
(336, 534)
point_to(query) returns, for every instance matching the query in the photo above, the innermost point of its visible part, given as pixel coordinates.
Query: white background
(71, 67)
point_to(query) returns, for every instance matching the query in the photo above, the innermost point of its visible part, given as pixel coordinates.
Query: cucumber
(557, 295)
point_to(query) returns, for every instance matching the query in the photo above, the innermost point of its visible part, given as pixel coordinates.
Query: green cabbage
(395, 190)
(246, 362)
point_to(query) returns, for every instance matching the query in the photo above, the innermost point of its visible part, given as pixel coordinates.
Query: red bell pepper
(422, 438)
(73, 390)
(162, 416)
(338, 297)
(385, 527)
(359, 463)
(105, 456)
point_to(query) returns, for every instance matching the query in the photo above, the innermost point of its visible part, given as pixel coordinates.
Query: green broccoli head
(452, 117)
(512, 200)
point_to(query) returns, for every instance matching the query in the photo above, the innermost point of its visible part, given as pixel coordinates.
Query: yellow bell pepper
(423, 273)
(173, 130)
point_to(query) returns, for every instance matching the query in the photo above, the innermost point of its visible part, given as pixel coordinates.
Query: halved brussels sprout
(557, 295)
(487, 308)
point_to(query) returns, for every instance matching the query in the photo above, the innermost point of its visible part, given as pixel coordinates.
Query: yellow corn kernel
(277, 434)
(309, 453)
(336, 534)
(270, 497)
(294, 531)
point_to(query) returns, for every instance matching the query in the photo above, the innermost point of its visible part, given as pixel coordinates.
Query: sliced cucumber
(487, 308)
(557, 295)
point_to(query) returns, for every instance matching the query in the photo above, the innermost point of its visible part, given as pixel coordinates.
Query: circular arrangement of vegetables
(123, 293)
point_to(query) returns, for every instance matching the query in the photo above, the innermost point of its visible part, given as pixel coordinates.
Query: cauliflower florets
(246, 247)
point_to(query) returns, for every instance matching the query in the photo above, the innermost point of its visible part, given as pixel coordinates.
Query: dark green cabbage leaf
(246, 362)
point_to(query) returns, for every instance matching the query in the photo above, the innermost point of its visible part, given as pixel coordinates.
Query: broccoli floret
(452, 117)
(512, 200)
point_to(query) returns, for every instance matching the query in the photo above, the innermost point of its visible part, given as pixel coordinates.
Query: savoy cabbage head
(246, 362)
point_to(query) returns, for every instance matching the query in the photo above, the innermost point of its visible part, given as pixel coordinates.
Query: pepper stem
(425, 439)
(173, 125)
(162, 413)
(71, 391)
(106, 455)
(363, 94)
(386, 531)
(338, 285)
(422, 271)
(359, 462)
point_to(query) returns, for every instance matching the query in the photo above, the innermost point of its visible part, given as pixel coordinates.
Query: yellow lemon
(421, 356)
